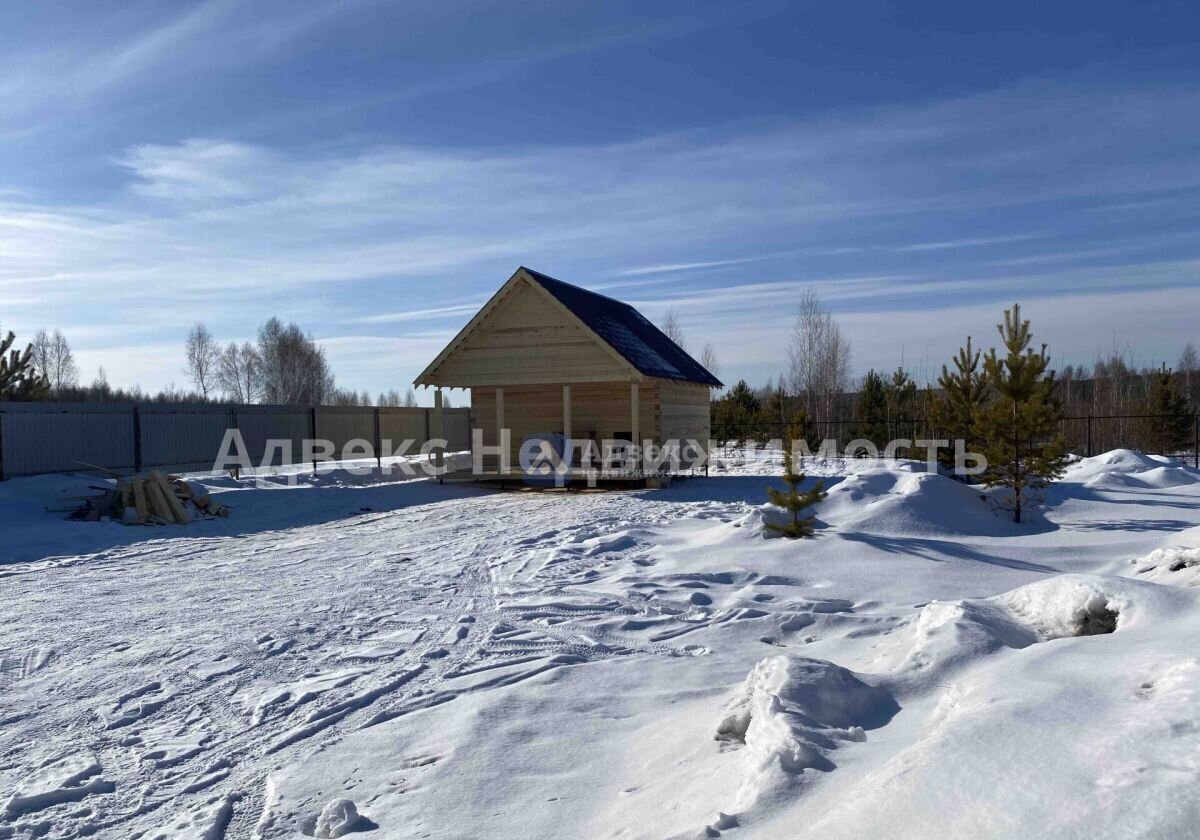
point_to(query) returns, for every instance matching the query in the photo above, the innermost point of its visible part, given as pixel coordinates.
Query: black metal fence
(48, 437)
(1085, 435)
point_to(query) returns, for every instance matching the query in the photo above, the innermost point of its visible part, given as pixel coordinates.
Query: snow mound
(337, 819)
(1086, 605)
(1122, 469)
(892, 502)
(1125, 460)
(1175, 566)
(949, 634)
(764, 516)
(790, 712)
(1165, 477)
(1114, 481)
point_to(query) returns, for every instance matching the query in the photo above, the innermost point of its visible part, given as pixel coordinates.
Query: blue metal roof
(641, 343)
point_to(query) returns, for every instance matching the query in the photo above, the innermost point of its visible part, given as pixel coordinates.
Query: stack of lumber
(153, 498)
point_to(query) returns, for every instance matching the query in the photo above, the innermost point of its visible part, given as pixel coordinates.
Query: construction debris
(152, 498)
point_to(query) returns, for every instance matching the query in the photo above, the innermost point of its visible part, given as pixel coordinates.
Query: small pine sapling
(1024, 446)
(794, 501)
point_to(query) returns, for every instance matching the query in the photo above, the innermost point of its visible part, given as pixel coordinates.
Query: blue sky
(374, 170)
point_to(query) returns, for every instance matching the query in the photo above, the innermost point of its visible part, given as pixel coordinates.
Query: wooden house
(543, 357)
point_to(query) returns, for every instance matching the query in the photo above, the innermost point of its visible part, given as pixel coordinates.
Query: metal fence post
(1195, 454)
(312, 435)
(137, 439)
(378, 442)
(233, 421)
(1089, 436)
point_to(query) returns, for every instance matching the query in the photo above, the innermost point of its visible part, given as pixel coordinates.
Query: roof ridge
(539, 275)
(623, 328)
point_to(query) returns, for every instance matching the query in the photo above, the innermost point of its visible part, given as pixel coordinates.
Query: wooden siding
(601, 407)
(685, 412)
(527, 338)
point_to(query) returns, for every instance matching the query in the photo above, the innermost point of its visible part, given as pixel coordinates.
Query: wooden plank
(139, 499)
(158, 502)
(175, 507)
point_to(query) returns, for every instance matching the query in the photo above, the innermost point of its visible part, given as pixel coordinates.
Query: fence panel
(261, 423)
(46, 437)
(342, 425)
(57, 437)
(401, 424)
(1173, 437)
(183, 437)
(457, 430)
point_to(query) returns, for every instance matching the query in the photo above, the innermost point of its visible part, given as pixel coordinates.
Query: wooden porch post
(569, 451)
(635, 432)
(438, 428)
(500, 459)
(567, 411)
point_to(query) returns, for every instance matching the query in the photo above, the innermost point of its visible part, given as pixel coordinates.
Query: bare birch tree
(818, 358)
(673, 329)
(53, 359)
(239, 372)
(709, 359)
(203, 359)
(1188, 365)
(294, 368)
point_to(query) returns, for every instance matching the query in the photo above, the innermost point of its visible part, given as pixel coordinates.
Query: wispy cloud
(208, 36)
(967, 242)
(433, 314)
(672, 268)
(394, 236)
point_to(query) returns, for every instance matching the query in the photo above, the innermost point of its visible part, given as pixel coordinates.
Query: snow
(790, 712)
(336, 819)
(361, 653)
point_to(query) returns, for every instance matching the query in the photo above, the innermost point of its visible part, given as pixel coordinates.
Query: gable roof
(628, 332)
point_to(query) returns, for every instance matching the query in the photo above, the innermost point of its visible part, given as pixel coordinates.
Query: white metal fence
(49, 437)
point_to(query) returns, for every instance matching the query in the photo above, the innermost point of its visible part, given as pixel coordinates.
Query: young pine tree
(871, 412)
(1024, 447)
(794, 501)
(901, 394)
(19, 378)
(800, 428)
(1168, 426)
(739, 413)
(956, 414)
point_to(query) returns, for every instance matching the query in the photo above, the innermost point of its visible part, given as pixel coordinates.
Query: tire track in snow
(289, 603)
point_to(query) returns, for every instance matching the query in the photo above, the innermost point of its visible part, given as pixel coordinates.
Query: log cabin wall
(599, 408)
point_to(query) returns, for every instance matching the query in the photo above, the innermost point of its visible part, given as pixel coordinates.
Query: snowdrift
(1173, 565)
(917, 503)
(1060, 737)
(1125, 469)
(898, 502)
(791, 712)
(946, 636)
